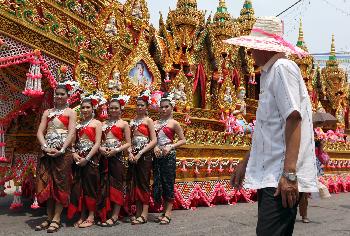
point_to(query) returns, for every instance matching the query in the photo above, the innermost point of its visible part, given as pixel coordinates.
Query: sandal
(159, 218)
(305, 220)
(107, 224)
(87, 223)
(129, 219)
(54, 228)
(139, 221)
(44, 225)
(165, 221)
(79, 222)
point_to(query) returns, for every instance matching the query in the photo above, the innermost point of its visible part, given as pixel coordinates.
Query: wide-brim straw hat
(267, 35)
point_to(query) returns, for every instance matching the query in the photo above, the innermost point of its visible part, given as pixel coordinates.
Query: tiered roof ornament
(247, 18)
(222, 14)
(332, 59)
(186, 12)
(301, 43)
(335, 85)
(305, 63)
(222, 27)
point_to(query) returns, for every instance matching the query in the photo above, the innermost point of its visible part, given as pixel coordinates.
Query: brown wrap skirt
(54, 178)
(85, 188)
(138, 179)
(112, 171)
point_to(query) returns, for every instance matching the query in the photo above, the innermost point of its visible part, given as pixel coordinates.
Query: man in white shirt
(281, 162)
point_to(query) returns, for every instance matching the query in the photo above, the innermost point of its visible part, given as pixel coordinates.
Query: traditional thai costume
(54, 174)
(86, 178)
(112, 170)
(139, 174)
(164, 167)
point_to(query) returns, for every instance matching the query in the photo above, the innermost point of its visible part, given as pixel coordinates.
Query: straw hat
(267, 35)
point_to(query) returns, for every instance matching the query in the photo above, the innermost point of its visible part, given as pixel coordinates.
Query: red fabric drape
(117, 132)
(89, 131)
(201, 78)
(346, 115)
(235, 78)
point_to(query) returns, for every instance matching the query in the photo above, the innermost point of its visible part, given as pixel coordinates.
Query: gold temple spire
(222, 3)
(301, 33)
(332, 55)
(301, 43)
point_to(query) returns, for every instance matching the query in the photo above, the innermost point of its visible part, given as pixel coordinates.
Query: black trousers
(273, 218)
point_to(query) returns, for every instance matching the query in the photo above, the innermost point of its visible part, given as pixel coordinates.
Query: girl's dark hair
(87, 100)
(141, 99)
(115, 99)
(62, 86)
(165, 95)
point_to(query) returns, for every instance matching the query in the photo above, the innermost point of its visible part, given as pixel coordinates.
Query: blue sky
(320, 18)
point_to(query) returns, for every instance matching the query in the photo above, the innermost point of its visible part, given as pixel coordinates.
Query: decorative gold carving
(137, 13)
(80, 71)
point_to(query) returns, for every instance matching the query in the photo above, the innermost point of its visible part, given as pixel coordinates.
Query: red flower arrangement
(94, 102)
(69, 87)
(121, 102)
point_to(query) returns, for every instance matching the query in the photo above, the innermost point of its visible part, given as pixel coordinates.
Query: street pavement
(329, 217)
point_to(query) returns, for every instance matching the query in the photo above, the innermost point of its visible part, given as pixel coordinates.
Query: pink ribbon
(280, 40)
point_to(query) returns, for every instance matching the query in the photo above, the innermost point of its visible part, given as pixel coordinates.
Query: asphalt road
(329, 218)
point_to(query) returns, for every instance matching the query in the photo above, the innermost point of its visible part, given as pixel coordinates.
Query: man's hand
(238, 175)
(289, 192)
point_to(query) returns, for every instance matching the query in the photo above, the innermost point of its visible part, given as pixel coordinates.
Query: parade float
(111, 48)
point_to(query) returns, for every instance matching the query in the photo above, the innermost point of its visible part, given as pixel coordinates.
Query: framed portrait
(140, 75)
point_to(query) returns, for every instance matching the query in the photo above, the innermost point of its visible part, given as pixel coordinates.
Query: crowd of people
(83, 166)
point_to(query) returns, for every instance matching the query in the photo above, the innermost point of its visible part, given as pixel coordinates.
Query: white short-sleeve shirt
(282, 91)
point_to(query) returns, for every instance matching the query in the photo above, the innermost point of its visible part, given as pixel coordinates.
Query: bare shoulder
(175, 122)
(124, 123)
(96, 122)
(149, 120)
(46, 112)
(70, 111)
